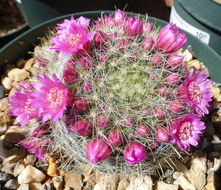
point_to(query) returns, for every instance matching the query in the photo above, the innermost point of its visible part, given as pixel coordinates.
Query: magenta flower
(81, 104)
(40, 131)
(195, 91)
(175, 106)
(83, 128)
(103, 121)
(147, 43)
(133, 27)
(115, 138)
(73, 37)
(142, 130)
(135, 153)
(34, 145)
(21, 106)
(172, 79)
(85, 62)
(52, 98)
(186, 130)
(147, 27)
(119, 17)
(99, 38)
(170, 40)
(70, 74)
(174, 61)
(104, 22)
(98, 150)
(162, 134)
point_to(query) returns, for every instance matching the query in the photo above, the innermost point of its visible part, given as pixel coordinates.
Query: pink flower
(104, 22)
(82, 105)
(73, 37)
(163, 91)
(35, 145)
(172, 79)
(147, 43)
(142, 130)
(162, 134)
(83, 128)
(147, 27)
(26, 86)
(159, 113)
(175, 106)
(21, 106)
(135, 153)
(115, 138)
(186, 130)
(170, 40)
(52, 98)
(87, 87)
(133, 27)
(99, 38)
(119, 17)
(174, 61)
(103, 121)
(195, 91)
(98, 150)
(40, 131)
(70, 74)
(85, 62)
(128, 122)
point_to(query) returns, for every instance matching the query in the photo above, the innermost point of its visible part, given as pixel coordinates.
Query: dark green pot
(25, 43)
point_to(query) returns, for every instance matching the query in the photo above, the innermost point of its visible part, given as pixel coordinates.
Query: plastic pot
(20, 46)
(38, 11)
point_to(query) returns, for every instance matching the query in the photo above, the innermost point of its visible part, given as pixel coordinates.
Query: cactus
(133, 98)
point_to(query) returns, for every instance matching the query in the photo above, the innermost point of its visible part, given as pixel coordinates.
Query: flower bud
(147, 43)
(175, 106)
(153, 145)
(85, 62)
(98, 150)
(133, 27)
(142, 130)
(163, 91)
(159, 113)
(102, 105)
(119, 17)
(87, 87)
(170, 40)
(70, 74)
(162, 134)
(172, 79)
(147, 27)
(128, 122)
(83, 128)
(99, 38)
(103, 121)
(115, 138)
(82, 105)
(103, 57)
(156, 60)
(135, 153)
(174, 61)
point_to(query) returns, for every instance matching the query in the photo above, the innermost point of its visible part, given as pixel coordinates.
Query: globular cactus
(127, 100)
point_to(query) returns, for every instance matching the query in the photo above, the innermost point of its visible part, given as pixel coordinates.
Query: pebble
(48, 186)
(7, 83)
(29, 160)
(108, 182)
(12, 184)
(182, 181)
(23, 187)
(2, 92)
(4, 176)
(30, 175)
(13, 134)
(52, 167)
(20, 63)
(35, 186)
(4, 105)
(28, 64)
(58, 182)
(9, 168)
(19, 167)
(140, 182)
(164, 186)
(73, 180)
(3, 128)
(123, 184)
(213, 181)
(18, 74)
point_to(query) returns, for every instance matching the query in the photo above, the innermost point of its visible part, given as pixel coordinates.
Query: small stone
(7, 83)
(13, 134)
(4, 105)
(52, 167)
(182, 181)
(23, 187)
(18, 74)
(28, 64)
(73, 180)
(2, 92)
(164, 186)
(30, 175)
(187, 55)
(83, 169)
(197, 172)
(48, 186)
(58, 182)
(123, 184)
(12, 184)
(108, 182)
(4, 176)
(35, 186)
(20, 63)
(19, 167)
(9, 168)
(139, 183)
(90, 180)
(29, 160)
(213, 181)
(3, 129)
(194, 63)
